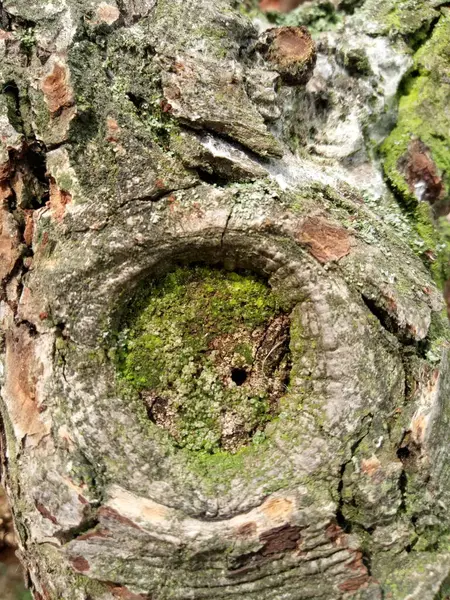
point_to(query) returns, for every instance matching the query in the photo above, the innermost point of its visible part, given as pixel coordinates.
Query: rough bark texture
(144, 136)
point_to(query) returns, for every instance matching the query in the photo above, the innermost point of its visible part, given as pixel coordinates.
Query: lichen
(208, 352)
(408, 18)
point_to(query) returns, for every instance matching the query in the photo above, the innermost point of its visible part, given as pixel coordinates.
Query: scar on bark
(276, 542)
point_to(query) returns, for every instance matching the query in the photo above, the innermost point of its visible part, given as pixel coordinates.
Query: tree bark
(142, 137)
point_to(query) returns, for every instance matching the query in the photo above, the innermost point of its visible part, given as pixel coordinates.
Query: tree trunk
(225, 369)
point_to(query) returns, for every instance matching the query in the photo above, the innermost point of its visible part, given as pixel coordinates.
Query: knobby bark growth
(224, 340)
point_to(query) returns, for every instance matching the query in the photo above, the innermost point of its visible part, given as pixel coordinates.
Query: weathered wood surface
(142, 134)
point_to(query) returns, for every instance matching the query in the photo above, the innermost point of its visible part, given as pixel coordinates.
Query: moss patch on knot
(208, 352)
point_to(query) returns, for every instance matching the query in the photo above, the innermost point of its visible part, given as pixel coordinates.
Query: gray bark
(144, 134)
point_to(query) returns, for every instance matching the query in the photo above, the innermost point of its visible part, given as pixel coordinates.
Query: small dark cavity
(403, 453)
(239, 376)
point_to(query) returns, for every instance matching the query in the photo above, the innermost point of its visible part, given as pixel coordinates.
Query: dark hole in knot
(239, 376)
(403, 453)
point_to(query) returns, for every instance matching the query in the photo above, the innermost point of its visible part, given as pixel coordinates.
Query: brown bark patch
(355, 563)
(276, 542)
(336, 535)
(126, 594)
(59, 199)
(23, 369)
(246, 530)
(9, 243)
(422, 173)
(361, 577)
(5, 171)
(106, 13)
(280, 539)
(109, 513)
(291, 51)
(112, 130)
(6, 35)
(355, 583)
(370, 466)
(325, 241)
(283, 6)
(46, 513)
(80, 564)
(29, 227)
(57, 91)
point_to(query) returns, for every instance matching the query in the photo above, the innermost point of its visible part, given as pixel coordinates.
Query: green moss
(438, 336)
(423, 115)
(27, 39)
(436, 242)
(190, 344)
(355, 60)
(409, 18)
(423, 110)
(444, 591)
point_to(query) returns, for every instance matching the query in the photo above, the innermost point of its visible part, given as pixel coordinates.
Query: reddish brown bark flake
(370, 466)
(246, 530)
(325, 241)
(80, 564)
(361, 577)
(46, 513)
(421, 173)
(336, 535)
(23, 368)
(355, 583)
(283, 6)
(106, 512)
(29, 227)
(59, 199)
(280, 539)
(112, 130)
(9, 243)
(57, 91)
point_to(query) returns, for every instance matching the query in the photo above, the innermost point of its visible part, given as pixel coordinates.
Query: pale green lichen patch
(409, 18)
(208, 351)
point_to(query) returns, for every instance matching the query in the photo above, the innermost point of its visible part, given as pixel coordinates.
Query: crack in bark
(225, 229)
(90, 523)
(345, 524)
